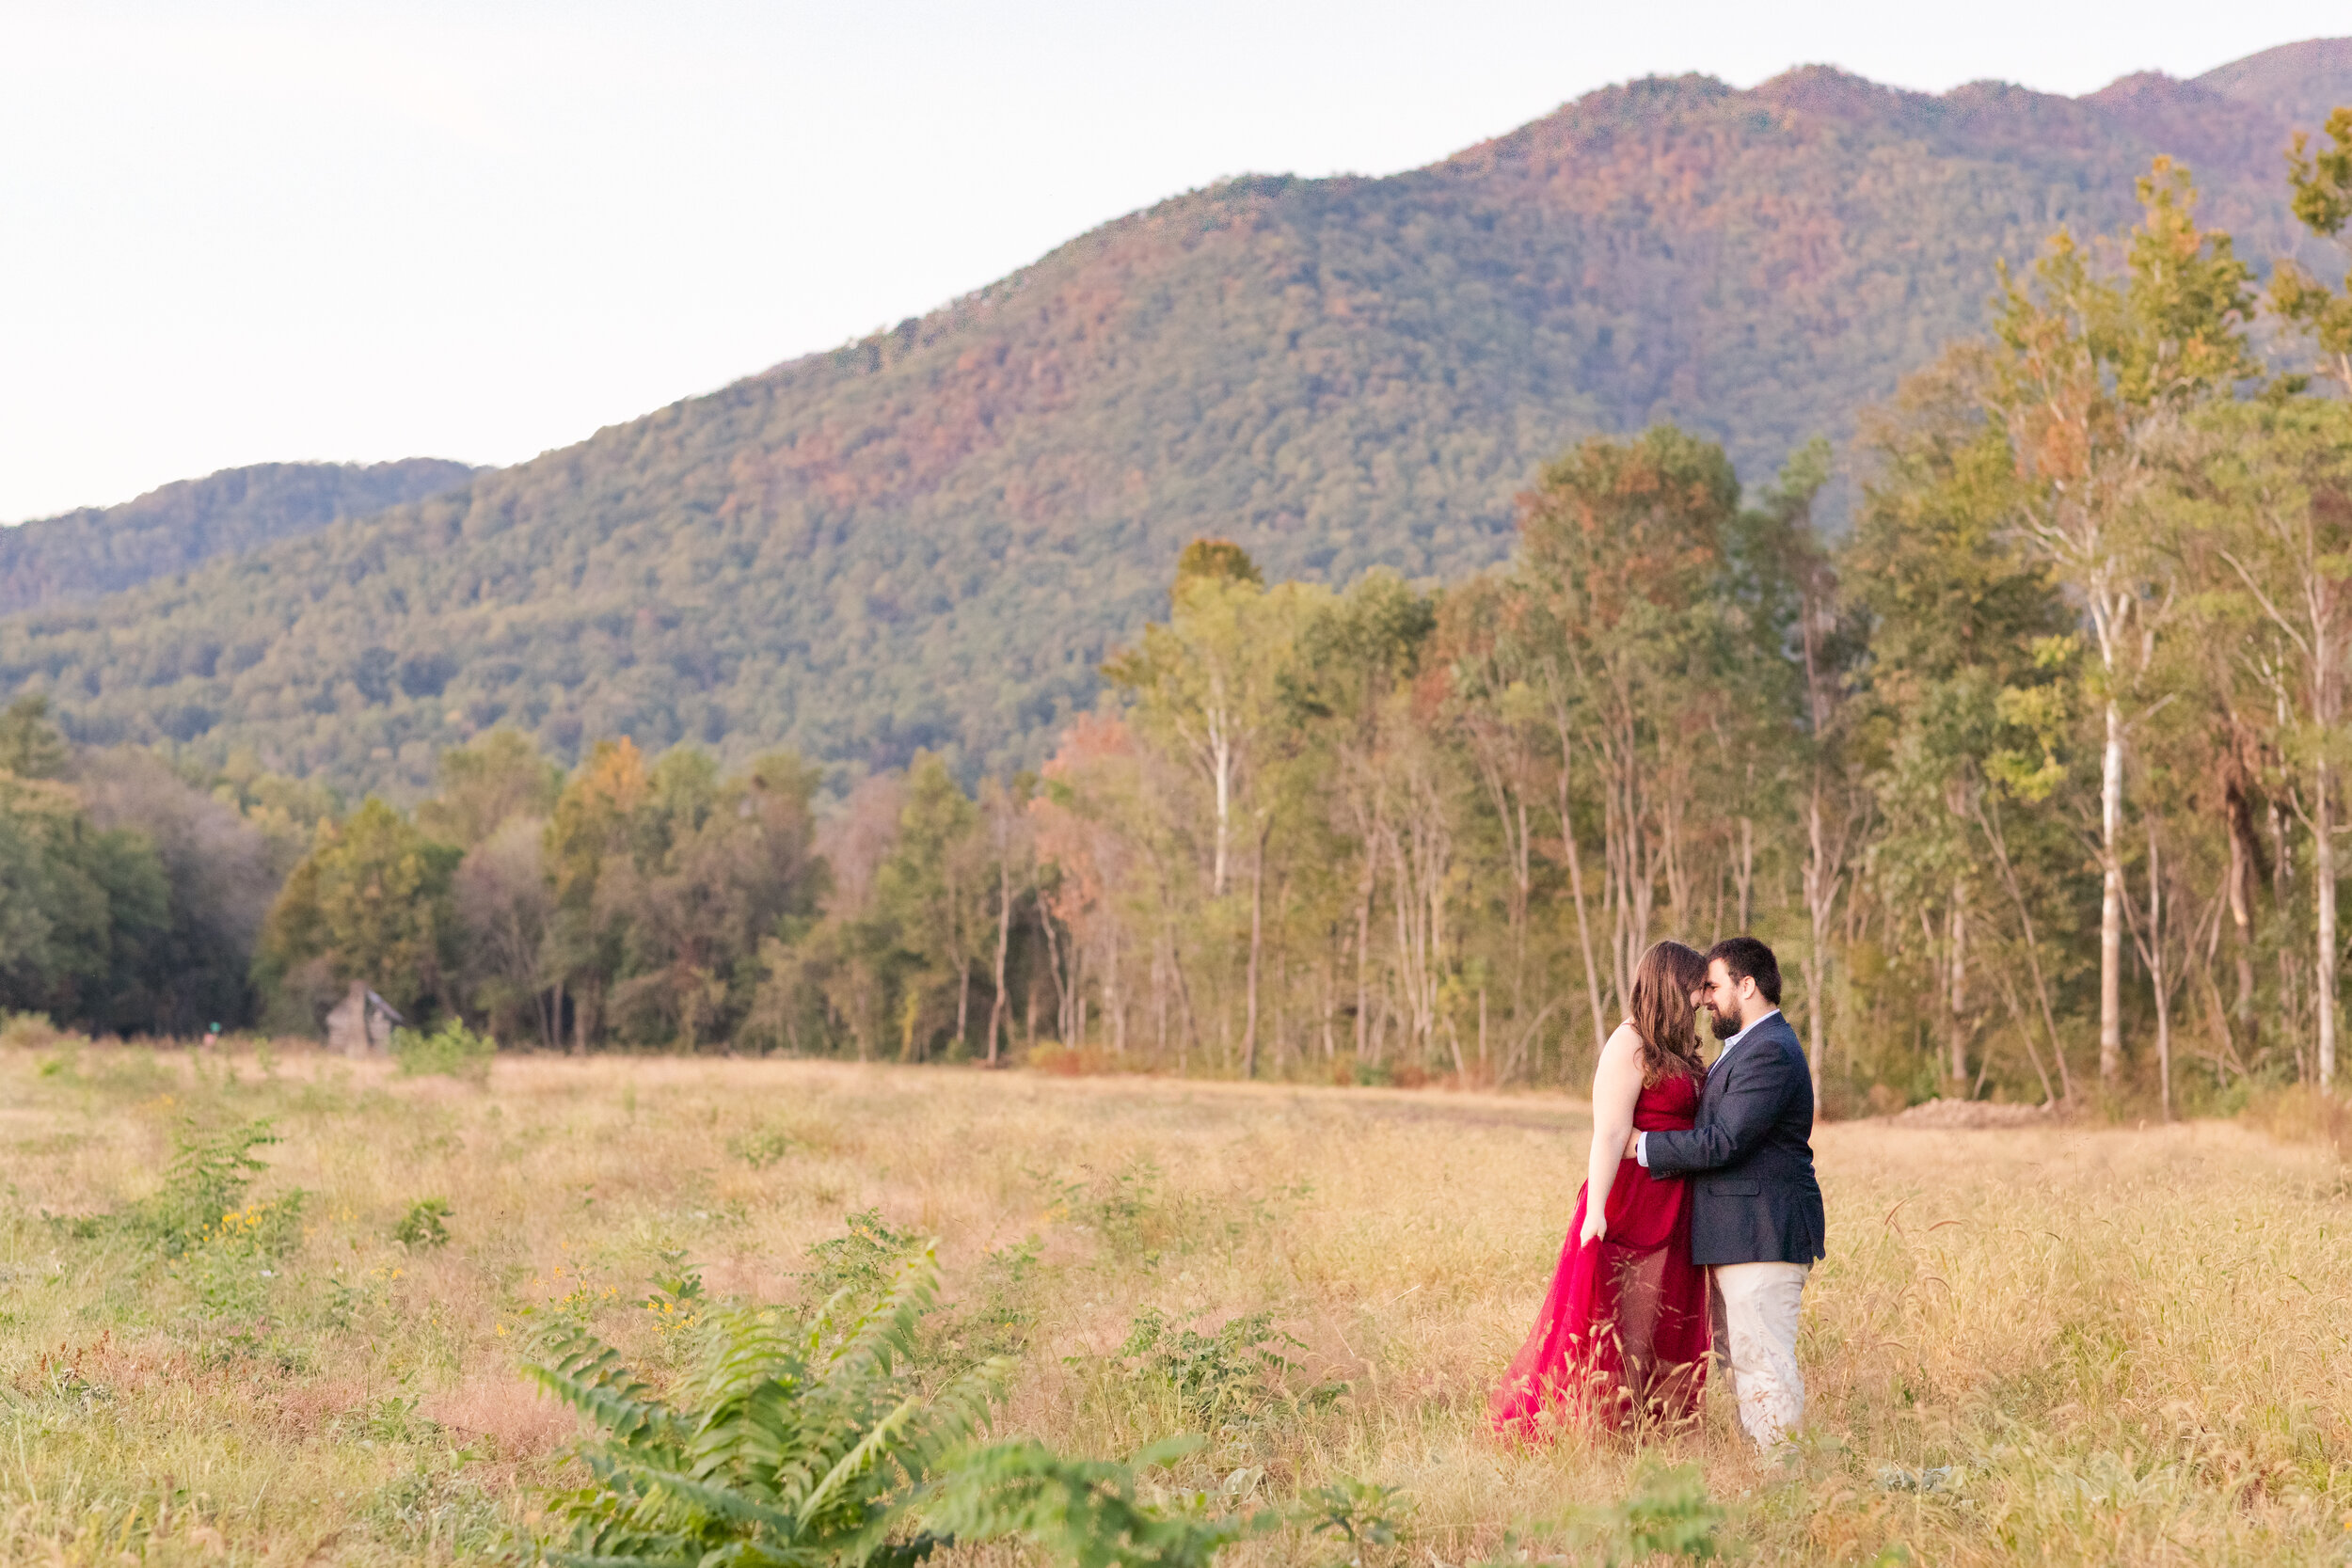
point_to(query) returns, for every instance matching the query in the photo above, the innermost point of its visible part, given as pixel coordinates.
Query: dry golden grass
(2131, 1345)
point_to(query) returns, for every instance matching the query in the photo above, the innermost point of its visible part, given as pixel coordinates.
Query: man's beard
(1725, 1027)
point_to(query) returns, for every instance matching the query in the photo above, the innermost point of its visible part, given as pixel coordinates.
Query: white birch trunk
(2111, 902)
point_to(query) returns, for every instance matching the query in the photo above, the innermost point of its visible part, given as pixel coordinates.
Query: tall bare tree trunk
(1257, 930)
(1821, 876)
(2242, 914)
(1363, 946)
(1054, 967)
(1330, 1006)
(2111, 903)
(2289, 1008)
(1820, 894)
(2156, 973)
(1190, 1040)
(2324, 857)
(1525, 884)
(1222, 770)
(1114, 1000)
(1747, 875)
(1576, 891)
(1960, 982)
(1004, 943)
(1159, 1007)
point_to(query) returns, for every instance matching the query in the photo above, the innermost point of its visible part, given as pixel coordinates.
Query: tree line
(2032, 776)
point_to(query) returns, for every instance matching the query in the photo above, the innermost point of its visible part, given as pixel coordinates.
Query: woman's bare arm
(1616, 1085)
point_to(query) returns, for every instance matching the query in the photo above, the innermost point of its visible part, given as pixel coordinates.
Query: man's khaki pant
(1754, 1308)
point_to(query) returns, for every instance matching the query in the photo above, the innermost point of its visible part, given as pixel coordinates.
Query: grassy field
(2128, 1346)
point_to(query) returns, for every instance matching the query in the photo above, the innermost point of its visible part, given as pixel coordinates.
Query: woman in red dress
(1622, 1339)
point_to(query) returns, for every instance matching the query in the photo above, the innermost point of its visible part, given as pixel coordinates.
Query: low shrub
(427, 1224)
(204, 1189)
(452, 1051)
(231, 1264)
(761, 1149)
(860, 1265)
(28, 1032)
(1667, 1516)
(1232, 1377)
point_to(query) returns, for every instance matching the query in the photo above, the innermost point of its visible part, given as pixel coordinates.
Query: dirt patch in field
(521, 1421)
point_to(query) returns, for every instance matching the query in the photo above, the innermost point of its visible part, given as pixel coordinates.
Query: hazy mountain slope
(931, 538)
(2295, 82)
(103, 549)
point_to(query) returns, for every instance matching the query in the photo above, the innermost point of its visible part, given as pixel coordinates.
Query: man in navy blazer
(1755, 1210)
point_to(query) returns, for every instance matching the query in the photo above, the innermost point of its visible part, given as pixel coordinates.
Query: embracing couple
(1699, 1217)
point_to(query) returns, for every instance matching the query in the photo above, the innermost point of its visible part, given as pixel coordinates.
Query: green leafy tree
(2293, 558)
(1012, 842)
(1955, 609)
(712, 865)
(1351, 689)
(1625, 555)
(83, 912)
(2271, 525)
(1207, 681)
(590, 827)
(30, 747)
(506, 903)
(498, 776)
(934, 890)
(1206, 692)
(1794, 571)
(2088, 370)
(2320, 184)
(1500, 725)
(371, 903)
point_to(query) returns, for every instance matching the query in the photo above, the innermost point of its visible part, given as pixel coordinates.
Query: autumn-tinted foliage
(931, 539)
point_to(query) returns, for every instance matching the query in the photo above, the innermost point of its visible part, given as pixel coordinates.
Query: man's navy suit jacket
(1750, 1156)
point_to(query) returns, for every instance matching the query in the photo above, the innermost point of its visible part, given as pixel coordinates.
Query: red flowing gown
(1623, 1335)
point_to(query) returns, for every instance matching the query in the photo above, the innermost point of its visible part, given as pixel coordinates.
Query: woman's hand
(1595, 1226)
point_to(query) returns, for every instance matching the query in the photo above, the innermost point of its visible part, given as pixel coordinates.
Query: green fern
(814, 1444)
(791, 1444)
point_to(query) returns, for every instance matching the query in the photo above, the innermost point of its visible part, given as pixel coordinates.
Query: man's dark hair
(1746, 959)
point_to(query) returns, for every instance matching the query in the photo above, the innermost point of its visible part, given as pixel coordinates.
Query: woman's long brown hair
(1663, 1017)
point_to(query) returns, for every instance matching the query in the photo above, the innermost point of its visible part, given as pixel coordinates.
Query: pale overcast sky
(238, 232)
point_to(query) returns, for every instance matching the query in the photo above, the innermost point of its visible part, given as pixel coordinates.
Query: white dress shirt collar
(1732, 1044)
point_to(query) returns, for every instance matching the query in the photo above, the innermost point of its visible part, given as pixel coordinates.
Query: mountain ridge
(930, 537)
(94, 551)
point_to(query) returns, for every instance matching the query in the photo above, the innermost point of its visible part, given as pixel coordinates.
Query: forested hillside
(2033, 774)
(932, 538)
(103, 549)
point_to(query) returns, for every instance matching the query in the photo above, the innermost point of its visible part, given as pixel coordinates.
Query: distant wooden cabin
(361, 1024)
